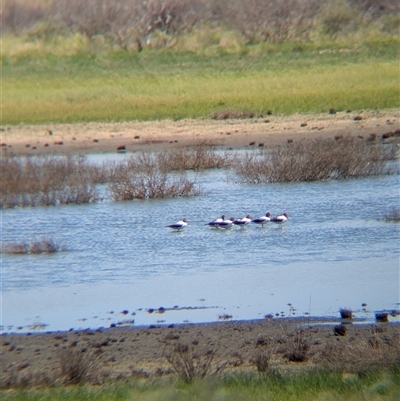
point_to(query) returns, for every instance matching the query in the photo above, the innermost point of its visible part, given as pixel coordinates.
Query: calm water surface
(333, 252)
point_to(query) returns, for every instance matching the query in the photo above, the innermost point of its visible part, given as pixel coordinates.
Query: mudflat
(118, 353)
(84, 138)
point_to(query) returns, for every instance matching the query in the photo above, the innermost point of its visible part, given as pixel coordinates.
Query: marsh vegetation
(316, 160)
(52, 180)
(39, 246)
(135, 60)
(276, 364)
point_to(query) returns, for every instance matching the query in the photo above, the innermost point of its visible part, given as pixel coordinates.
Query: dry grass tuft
(262, 360)
(190, 363)
(358, 355)
(340, 330)
(346, 313)
(77, 366)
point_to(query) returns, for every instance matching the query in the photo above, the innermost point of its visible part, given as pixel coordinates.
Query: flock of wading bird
(223, 223)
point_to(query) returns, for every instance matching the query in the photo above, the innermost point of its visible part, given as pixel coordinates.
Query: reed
(314, 160)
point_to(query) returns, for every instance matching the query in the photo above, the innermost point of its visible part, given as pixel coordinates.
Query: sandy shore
(160, 135)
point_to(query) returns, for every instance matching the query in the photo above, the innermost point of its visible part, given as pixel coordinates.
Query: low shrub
(46, 245)
(154, 185)
(45, 181)
(392, 216)
(200, 157)
(315, 160)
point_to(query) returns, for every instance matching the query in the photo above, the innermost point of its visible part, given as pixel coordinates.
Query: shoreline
(125, 352)
(85, 138)
(122, 353)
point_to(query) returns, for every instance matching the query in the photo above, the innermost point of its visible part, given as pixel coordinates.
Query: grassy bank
(312, 385)
(41, 87)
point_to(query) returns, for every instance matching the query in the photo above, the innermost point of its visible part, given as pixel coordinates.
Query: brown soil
(126, 352)
(159, 135)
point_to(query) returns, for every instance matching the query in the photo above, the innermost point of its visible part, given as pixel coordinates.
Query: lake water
(333, 252)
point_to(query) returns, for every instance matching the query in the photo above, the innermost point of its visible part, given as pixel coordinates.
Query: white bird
(263, 219)
(282, 218)
(180, 225)
(226, 223)
(243, 221)
(215, 222)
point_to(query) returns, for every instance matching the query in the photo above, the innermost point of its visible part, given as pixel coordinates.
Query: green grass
(40, 87)
(305, 386)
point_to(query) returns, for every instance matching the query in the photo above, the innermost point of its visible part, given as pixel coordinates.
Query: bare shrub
(190, 363)
(143, 176)
(393, 216)
(33, 181)
(200, 157)
(154, 185)
(131, 23)
(314, 160)
(336, 16)
(136, 24)
(19, 14)
(15, 248)
(46, 245)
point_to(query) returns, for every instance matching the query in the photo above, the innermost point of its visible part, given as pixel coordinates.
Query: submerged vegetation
(53, 180)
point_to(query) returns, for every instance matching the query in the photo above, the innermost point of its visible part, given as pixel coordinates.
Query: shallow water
(333, 252)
